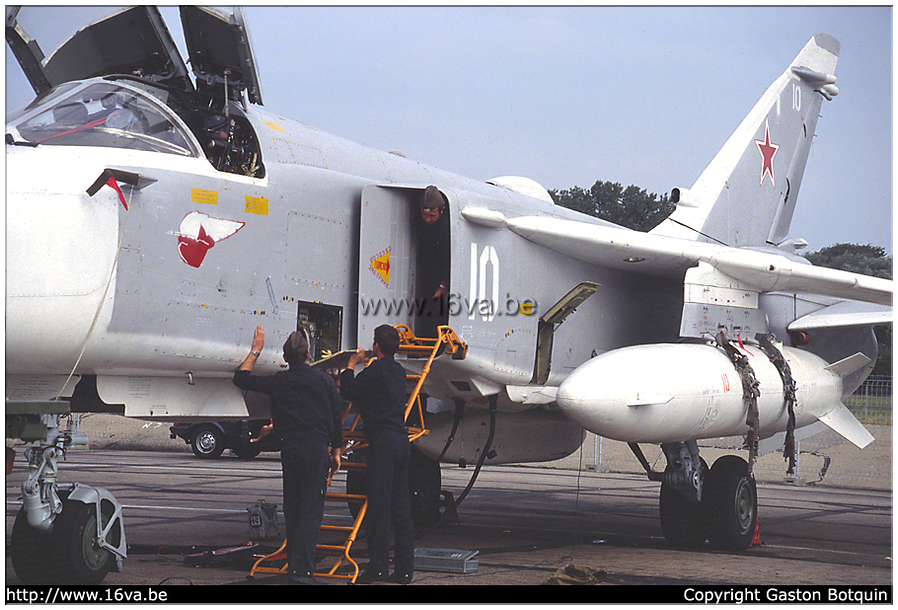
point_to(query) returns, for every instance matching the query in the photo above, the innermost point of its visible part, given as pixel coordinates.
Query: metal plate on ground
(446, 560)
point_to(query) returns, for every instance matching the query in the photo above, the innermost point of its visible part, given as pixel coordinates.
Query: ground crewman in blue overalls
(306, 412)
(379, 391)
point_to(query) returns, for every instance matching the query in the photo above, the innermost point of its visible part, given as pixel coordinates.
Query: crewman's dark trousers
(389, 502)
(305, 466)
(431, 312)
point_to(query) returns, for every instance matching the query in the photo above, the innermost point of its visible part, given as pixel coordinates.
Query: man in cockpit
(433, 262)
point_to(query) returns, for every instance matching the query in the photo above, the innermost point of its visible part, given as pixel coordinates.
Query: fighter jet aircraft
(154, 219)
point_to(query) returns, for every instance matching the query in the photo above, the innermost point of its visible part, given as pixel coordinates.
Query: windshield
(104, 114)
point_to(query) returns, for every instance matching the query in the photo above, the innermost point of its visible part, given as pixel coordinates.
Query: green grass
(874, 410)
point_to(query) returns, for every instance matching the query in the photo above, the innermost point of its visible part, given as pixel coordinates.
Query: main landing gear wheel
(682, 519)
(731, 504)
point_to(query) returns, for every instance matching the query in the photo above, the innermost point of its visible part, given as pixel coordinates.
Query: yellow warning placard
(204, 196)
(256, 205)
(380, 265)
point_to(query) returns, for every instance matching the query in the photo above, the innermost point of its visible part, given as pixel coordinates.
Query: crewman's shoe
(296, 579)
(370, 576)
(402, 579)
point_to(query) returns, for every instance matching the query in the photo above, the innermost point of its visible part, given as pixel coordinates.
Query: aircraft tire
(30, 551)
(682, 520)
(207, 442)
(424, 488)
(731, 504)
(80, 560)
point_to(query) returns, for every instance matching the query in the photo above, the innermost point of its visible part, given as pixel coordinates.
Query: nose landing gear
(63, 534)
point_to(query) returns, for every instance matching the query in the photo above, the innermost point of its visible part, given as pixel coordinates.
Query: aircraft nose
(60, 248)
(60, 241)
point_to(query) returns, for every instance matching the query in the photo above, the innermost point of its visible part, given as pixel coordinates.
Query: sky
(568, 95)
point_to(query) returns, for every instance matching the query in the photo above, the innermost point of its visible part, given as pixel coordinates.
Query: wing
(623, 249)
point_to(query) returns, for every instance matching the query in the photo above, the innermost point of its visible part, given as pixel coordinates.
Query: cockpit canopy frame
(133, 48)
(135, 41)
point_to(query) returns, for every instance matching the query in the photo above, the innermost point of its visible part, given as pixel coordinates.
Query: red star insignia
(768, 152)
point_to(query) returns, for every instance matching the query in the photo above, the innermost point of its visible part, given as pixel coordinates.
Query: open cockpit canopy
(143, 84)
(135, 41)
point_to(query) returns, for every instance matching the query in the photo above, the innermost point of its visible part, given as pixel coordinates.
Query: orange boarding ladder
(345, 567)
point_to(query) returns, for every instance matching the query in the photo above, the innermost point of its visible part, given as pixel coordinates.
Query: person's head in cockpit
(432, 205)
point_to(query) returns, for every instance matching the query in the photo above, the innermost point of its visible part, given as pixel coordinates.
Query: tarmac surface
(524, 522)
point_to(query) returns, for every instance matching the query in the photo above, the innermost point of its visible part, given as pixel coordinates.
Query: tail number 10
(484, 267)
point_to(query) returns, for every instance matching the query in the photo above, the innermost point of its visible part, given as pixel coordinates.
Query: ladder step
(329, 549)
(337, 528)
(350, 577)
(346, 497)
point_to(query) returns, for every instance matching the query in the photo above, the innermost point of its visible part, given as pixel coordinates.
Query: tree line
(634, 208)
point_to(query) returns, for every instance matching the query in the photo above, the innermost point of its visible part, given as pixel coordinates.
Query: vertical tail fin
(746, 195)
